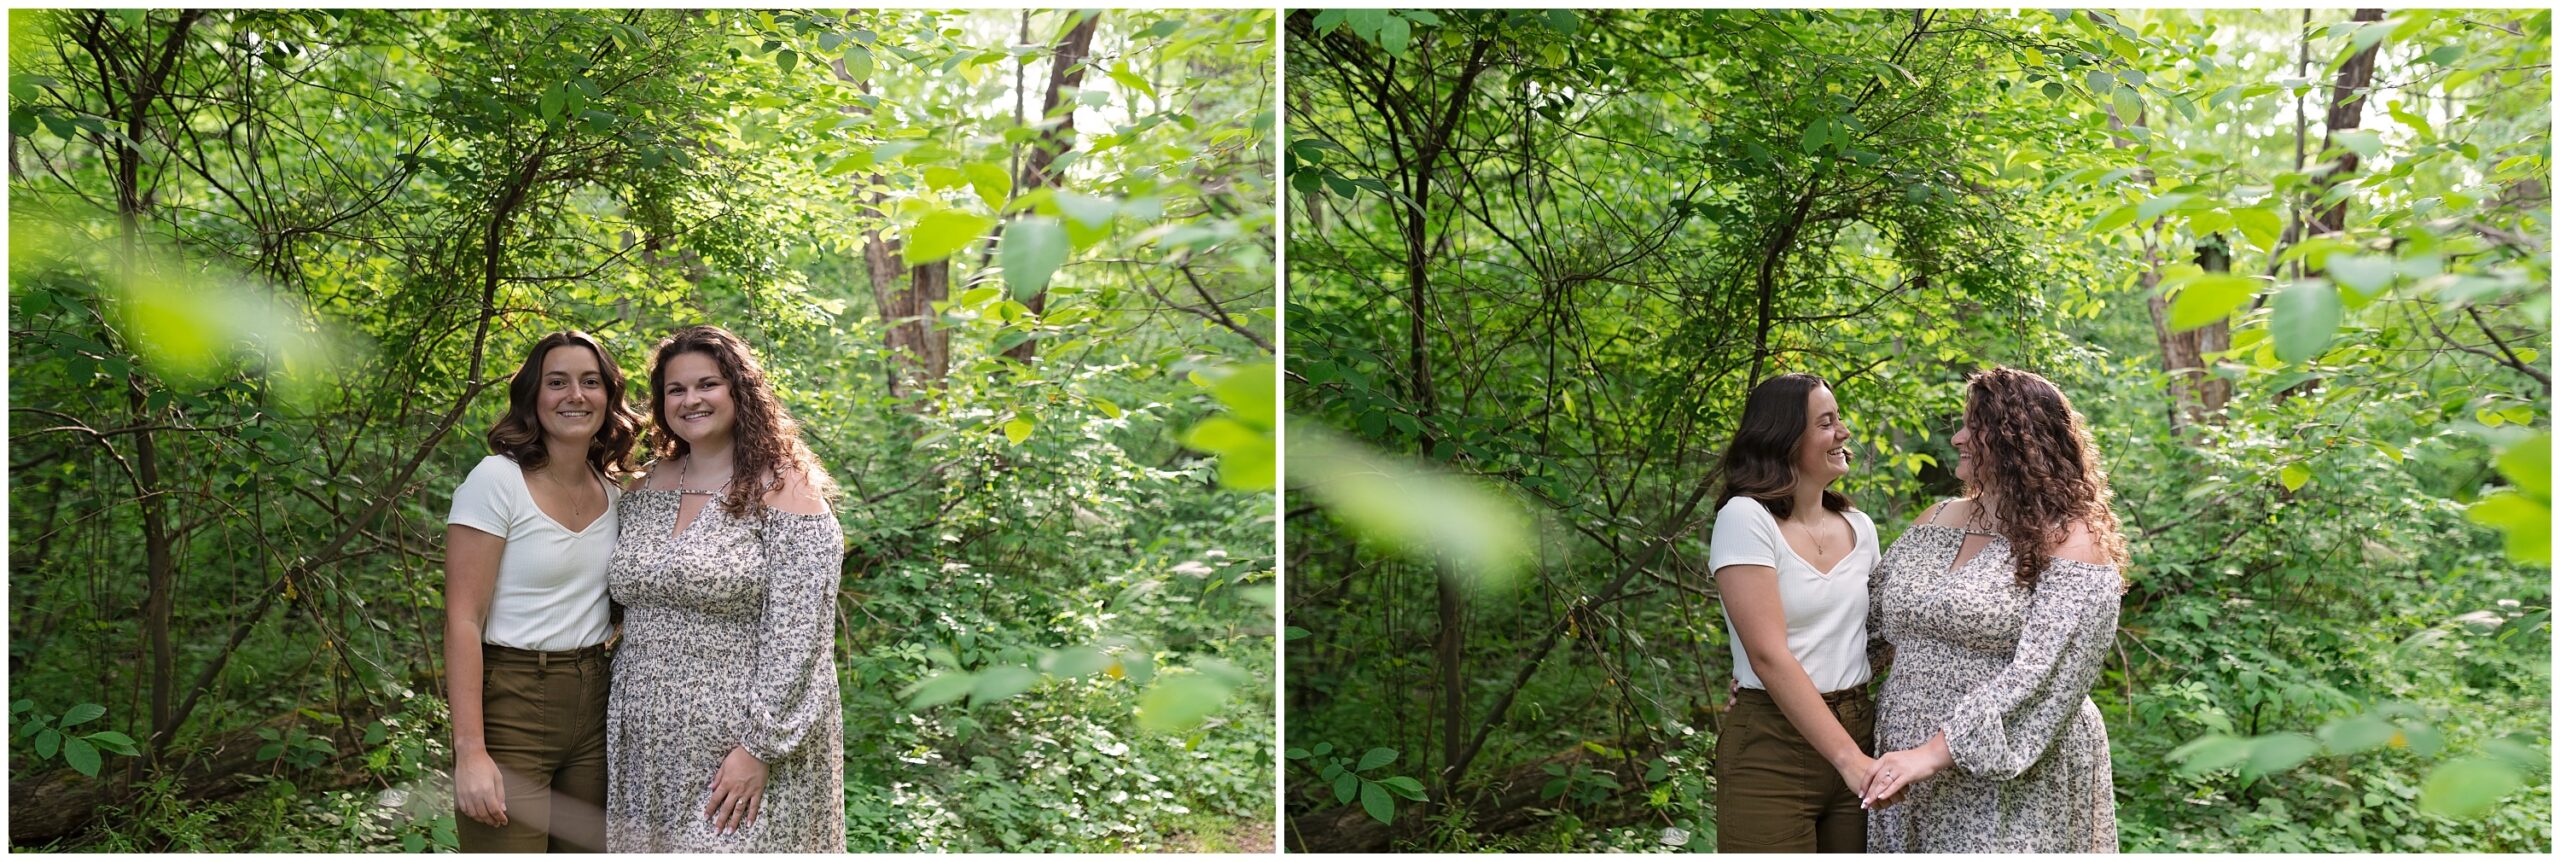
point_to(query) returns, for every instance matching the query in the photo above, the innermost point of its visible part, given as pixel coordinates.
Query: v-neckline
(1819, 571)
(526, 480)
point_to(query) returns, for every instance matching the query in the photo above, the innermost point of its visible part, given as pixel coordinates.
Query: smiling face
(1822, 452)
(697, 400)
(1966, 458)
(570, 398)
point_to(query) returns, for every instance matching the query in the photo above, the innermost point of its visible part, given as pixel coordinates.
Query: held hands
(477, 791)
(1897, 770)
(1855, 769)
(737, 792)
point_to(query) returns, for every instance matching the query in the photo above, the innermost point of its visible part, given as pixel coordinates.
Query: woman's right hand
(477, 791)
(1856, 769)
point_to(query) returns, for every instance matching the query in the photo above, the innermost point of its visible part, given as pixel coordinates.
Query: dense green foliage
(270, 270)
(2293, 269)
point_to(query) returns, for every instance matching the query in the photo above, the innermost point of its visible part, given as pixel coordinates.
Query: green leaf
(1018, 430)
(1395, 35)
(2209, 222)
(1374, 799)
(2525, 521)
(942, 233)
(1077, 661)
(2295, 476)
(2210, 297)
(2467, 787)
(2209, 753)
(2152, 208)
(1087, 210)
(1403, 785)
(113, 741)
(2115, 218)
(1031, 250)
(2364, 142)
(2306, 317)
(1564, 21)
(2358, 735)
(1816, 135)
(2261, 225)
(2278, 752)
(1376, 757)
(81, 714)
(1220, 435)
(2364, 273)
(2128, 105)
(48, 741)
(857, 62)
(787, 61)
(998, 683)
(938, 689)
(992, 183)
(1251, 393)
(553, 101)
(1179, 701)
(1345, 787)
(2526, 464)
(81, 755)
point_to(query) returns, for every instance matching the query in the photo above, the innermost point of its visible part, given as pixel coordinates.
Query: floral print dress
(2005, 673)
(728, 639)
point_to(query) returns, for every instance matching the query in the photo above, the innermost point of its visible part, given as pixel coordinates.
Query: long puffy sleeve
(2006, 724)
(793, 686)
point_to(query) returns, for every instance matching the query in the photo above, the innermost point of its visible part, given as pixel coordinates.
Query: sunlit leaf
(1180, 701)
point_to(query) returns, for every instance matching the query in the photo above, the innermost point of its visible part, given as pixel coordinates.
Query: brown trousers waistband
(1853, 694)
(494, 654)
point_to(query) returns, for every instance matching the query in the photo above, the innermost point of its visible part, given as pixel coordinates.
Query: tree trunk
(920, 351)
(2346, 113)
(1066, 71)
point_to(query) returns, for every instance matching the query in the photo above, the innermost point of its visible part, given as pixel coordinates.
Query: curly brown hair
(2038, 464)
(518, 435)
(767, 438)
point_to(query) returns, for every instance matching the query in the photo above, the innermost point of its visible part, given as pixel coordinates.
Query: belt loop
(542, 662)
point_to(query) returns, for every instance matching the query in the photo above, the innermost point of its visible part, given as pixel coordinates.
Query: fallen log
(61, 809)
(1509, 803)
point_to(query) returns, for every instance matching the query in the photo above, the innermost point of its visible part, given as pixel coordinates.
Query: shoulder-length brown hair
(2039, 465)
(1760, 463)
(767, 438)
(518, 435)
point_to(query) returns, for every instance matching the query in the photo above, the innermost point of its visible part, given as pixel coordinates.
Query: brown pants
(1774, 793)
(543, 716)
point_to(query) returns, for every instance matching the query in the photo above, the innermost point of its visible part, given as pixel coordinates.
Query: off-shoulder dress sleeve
(793, 687)
(2006, 724)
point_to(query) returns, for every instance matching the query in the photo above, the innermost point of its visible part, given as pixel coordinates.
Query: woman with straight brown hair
(2000, 607)
(1790, 557)
(726, 733)
(526, 615)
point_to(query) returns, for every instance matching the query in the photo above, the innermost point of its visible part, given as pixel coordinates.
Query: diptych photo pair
(1259, 431)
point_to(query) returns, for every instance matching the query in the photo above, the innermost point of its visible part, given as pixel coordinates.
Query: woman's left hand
(1897, 770)
(737, 792)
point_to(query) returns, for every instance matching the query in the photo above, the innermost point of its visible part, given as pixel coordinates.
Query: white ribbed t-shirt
(551, 590)
(1826, 611)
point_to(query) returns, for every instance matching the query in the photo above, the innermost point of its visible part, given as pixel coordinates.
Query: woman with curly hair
(725, 731)
(1999, 608)
(526, 615)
